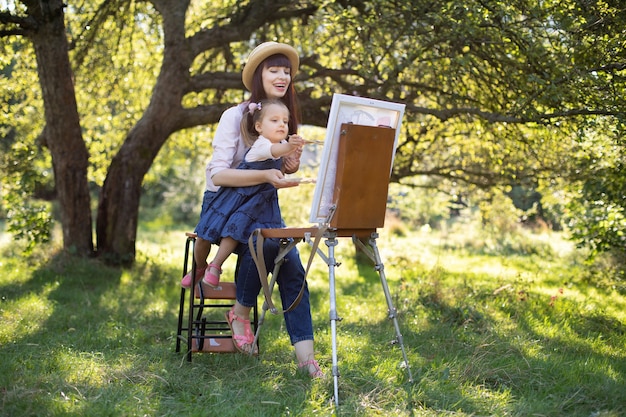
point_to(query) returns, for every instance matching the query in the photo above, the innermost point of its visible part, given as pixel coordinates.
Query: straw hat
(263, 51)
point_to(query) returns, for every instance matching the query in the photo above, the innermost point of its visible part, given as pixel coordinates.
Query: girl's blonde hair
(252, 114)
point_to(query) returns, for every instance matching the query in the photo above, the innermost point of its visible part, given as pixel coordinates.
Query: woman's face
(275, 81)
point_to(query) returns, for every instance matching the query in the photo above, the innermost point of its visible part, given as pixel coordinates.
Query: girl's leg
(203, 247)
(200, 253)
(214, 270)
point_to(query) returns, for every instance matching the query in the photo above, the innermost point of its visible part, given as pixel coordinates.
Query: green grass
(511, 326)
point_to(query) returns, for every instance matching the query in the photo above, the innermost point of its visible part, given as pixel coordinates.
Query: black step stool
(206, 328)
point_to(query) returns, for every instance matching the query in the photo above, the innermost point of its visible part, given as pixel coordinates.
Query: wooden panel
(300, 232)
(362, 180)
(215, 344)
(225, 291)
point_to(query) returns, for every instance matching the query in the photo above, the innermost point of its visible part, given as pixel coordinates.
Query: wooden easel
(360, 201)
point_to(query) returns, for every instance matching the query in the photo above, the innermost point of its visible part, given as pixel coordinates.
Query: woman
(236, 212)
(267, 75)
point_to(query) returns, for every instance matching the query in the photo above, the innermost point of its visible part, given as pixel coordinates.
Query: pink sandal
(243, 343)
(316, 373)
(186, 281)
(210, 279)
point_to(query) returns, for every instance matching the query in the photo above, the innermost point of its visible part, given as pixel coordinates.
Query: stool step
(215, 344)
(201, 320)
(225, 291)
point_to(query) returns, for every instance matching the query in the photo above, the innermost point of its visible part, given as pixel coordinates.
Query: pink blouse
(228, 145)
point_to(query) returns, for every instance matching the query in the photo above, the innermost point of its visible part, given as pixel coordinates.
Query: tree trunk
(118, 207)
(62, 133)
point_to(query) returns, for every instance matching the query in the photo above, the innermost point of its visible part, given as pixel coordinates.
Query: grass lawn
(491, 329)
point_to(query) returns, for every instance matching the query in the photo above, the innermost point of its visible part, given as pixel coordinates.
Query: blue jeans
(298, 321)
(290, 277)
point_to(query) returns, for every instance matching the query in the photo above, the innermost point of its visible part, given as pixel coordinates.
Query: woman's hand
(291, 163)
(278, 180)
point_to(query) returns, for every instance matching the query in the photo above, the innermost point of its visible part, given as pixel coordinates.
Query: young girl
(237, 211)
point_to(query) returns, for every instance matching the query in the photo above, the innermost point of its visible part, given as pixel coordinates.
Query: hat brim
(261, 52)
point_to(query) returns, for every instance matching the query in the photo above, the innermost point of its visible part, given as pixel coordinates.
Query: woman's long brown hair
(290, 99)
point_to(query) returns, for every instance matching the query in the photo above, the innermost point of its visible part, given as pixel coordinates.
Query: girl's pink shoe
(211, 279)
(186, 281)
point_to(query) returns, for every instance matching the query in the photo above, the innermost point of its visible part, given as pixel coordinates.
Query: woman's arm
(228, 148)
(222, 172)
(247, 177)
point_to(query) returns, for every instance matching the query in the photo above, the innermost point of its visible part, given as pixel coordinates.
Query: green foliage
(498, 94)
(28, 218)
(116, 63)
(596, 223)
(597, 211)
(29, 221)
(417, 206)
(25, 166)
(175, 183)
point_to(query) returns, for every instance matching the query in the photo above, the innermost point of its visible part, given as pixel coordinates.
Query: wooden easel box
(364, 158)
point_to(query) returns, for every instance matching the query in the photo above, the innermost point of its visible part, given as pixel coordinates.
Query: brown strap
(259, 260)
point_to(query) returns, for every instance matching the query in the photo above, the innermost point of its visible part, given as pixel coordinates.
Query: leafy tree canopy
(498, 93)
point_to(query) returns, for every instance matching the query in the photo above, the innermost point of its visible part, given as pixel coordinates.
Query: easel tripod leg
(374, 255)
(331, 243)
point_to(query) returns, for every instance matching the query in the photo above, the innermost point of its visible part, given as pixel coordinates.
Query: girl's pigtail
(248, 133)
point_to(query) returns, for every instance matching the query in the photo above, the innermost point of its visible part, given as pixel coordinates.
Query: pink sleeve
(228, 146)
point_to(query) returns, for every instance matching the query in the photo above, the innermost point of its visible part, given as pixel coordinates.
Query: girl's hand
(291, 162)
(297, 142)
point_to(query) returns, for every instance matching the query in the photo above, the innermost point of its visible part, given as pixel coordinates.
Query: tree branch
(16, 25)
(245, 22)
(447, 114)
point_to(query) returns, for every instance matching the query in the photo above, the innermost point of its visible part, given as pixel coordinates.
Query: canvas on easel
(358, 111)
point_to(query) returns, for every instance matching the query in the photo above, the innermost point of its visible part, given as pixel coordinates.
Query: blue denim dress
(237, 211)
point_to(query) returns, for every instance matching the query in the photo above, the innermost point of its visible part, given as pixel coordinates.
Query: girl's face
(275, 81)
(274, 124)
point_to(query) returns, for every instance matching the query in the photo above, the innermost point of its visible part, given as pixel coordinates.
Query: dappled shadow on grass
(473, 350)
(100, 341)
(476, 347)
(463, 363)
(84, 322)
(464, 343)
(239, 385)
